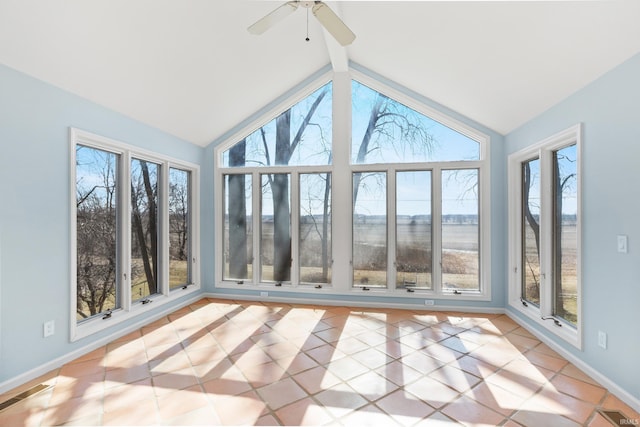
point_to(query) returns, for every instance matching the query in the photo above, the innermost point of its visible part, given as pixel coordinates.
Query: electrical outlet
(622, 244)
(602, 339)
(264, 294)
(49, 328)
(429, 302)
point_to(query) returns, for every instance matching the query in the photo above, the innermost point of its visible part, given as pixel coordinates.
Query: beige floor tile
(261, 375)
(372, 386)
(399, 373)
(243, 409)
(369, 415)
(340, 400)
(316, 379)
(578, 389)
(498, 399)
(305, 412)
(346, 368)
(455, 378)
(281, 393)
(469, 412)
(432, 392)
(404, 408)
(174, 404)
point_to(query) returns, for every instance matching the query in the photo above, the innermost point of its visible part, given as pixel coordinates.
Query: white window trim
(129, 310)
(342, 169)
(543, 150)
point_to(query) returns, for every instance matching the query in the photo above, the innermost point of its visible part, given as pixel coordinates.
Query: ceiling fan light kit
(323, 13)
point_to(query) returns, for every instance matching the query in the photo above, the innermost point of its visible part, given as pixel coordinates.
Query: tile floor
(220, 362)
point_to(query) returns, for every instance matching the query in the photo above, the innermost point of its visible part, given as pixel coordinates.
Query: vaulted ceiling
(190, 68)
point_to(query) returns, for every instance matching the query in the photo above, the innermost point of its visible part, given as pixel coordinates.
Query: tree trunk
(237, 215)
(152, 230)
(281, 209)
(527, 210)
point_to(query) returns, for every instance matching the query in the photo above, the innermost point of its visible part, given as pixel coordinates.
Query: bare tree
(237, 214)
(95, 232)
(391, 124)
(145, 222)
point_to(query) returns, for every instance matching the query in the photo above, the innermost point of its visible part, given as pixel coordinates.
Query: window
(460, 230)
(275, 228)
(238, 239)
(414, 255)
(262, 173)
(145, 235)
(403, 209)
(133, 230)
(314, 250)
(97, 246)
(370, 229)
(180, 236)
(544, 233)
(409, 235)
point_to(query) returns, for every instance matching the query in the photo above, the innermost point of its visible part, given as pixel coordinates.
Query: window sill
(98, 324)
(566, 332)
(357, 291)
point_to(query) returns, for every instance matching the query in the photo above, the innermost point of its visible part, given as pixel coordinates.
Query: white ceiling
(190, 68)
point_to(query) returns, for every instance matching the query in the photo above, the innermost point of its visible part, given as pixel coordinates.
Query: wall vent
(25, 394)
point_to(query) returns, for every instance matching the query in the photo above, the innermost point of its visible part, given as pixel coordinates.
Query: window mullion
(295, 228)
(546, 233)
(256, 190)
(391, 229)
(436, 230)
(342, 185)
(124, 219)
(163, 230)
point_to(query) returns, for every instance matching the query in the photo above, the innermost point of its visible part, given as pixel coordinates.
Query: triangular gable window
(300, 136)
(386, 131)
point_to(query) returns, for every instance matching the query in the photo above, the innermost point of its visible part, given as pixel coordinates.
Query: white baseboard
(347, 303)
(614, 388)
(58, 362)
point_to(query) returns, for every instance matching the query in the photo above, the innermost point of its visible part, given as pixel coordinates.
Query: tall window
(314, 250)
(97, 231)
(144, 229)
(262, 175)
(180, 247)
(530, 223)
(391, 140)
(545, 231)
(370, 229)
(460, 230)
(392, 200)
(133, 227)
(414, 261)
(238, 225)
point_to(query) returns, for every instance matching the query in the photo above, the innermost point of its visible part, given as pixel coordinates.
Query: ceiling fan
(327, 17)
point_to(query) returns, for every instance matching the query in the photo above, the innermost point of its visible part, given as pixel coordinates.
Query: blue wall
(609, 110)
(35, 204)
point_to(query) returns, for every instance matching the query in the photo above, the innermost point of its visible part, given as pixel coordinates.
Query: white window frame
(129, 309)
(342, 170)
(543, 315)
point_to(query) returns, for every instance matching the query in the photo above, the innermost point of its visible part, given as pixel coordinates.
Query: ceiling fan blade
(277, 15)
(333, 24)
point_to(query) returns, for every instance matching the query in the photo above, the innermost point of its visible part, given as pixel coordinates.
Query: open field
(460, 256)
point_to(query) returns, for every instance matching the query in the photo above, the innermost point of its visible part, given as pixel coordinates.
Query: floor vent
(25, 394)
(617, 418)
